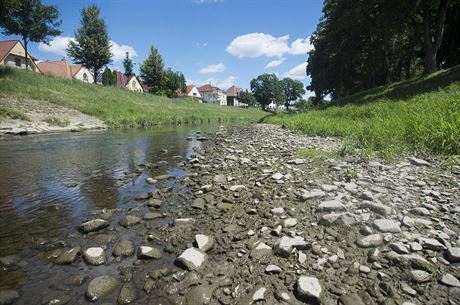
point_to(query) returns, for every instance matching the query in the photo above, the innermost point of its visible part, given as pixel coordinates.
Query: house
(13, 54)
(129, 82)
(63, 68)
(272, 105)
(232, 94)
(213, 95)
(192, 91)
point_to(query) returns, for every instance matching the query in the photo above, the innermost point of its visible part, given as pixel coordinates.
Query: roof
(206, 88)
(123, 79)
(60, 68)
(7, 45)
(189, 88)
(144, 87)
(233, 91)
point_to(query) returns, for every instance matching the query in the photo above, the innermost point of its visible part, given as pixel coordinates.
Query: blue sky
(223, 41)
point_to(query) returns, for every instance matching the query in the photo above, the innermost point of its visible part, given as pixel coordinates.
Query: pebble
(308, 288)
(192, 259)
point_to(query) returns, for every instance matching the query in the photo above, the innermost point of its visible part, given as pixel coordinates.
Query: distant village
(13, 54)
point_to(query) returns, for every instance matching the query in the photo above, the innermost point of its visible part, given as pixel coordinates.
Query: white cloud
(59, 44)
(275, 63)
(213, 69)
(223, 84)
(298, 72)
(206, 1)
(56, 46)
(258, 44)
(201, 44)
(301, 46)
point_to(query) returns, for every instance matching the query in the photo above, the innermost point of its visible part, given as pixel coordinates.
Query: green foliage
(54, 121)
(247, 98)
(117, 107)
(316, 153)
(292, 90)
(391, 124)
(31, 20)
(13, 114)
(152, 71)
(7, 8)
(128, 65)
(266, 88)
(91, 47)
(173, 81)
(109, 77)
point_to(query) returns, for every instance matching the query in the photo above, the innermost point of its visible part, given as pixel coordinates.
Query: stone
(378, 208)
(154, 203)
(101, 287)
(68, 256)
(312, 194)
(289, 222)
(272, 269)
(259, 294)
(308, 288)
(183, 221)
(407, 289)
(420, 276)
(297, 161)
(387, 226)
(373, 240)
(204, 242)
(284, 245)
(351, 299)
(198, 204)
(450, 280)
(260, 250)
(277, 176)
(399, 248)
(127, 294)
(123, 248)
(331, 206)
(9, 261)
(8, 297)
(200, 294)
(192, 259)
(237, 188)
(329, 187)
(277, 211)
(94, 256)
(453, 254)
(418, 162)
(93, 225)
(151, 215)
(129, 221)
(147, 252)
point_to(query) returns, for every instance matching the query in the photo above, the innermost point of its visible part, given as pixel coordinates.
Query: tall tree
(151, 71)
(433, 31)
(171, 82)
(247, 98)
(292, 90)
(109, 78)
(91, 47)
(266, 88)
(31, 20)
(128, 64)
(7, 8)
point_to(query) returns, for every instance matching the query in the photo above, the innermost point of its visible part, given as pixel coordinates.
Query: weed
(54, 121)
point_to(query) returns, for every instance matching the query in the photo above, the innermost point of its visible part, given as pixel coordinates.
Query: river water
(50, 183)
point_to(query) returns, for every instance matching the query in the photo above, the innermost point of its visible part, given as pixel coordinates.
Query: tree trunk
(431, 44)
(95, 75)
(27, 53)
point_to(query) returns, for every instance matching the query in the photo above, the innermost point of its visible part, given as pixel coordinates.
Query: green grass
(316, 153)
(13, 114)
(117, 107)
(419, 116)
(54, 121)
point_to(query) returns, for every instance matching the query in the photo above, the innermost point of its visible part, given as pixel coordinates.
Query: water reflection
(49, 183)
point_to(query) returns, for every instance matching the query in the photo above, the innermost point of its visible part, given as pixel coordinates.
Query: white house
(62, 68)
(192, 91)
(272, 105)
(129, 82)
(13, 54)
(213, 95)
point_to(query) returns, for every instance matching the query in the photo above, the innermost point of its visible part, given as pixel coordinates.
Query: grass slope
(117, 107)
(416, 116)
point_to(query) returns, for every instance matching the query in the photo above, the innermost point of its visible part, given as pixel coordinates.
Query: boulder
(123, 248)
(94, 256)
(68, 256)
(129, 220)
(204, 242)
(331, 206)
(101, 287)
(191, 259)
(147, 252)
(93, 225)
(309, 289)
(387, 226)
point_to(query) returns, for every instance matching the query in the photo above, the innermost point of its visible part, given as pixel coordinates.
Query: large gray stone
(453, 254)
(204, 242)
(373, 240)
(285, 245)
(308, 289)
(331, 206)
(101, 287)
(147, 252)
(123, 248)
(127, 294)
(8, 297)
(93, 225)
(68, 256)
(129, 220)
(192, 259)
(94, 256)
(387, 226)
(450, 280)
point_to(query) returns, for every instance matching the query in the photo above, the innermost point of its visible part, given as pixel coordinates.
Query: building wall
(80, 75)
(18, 61)
(215, 97)
(134, 85)
(194, 93)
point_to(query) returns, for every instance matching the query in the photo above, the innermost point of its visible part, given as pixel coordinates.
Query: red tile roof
(7, 45)
(206, 88)
(123, 79)
(144, 87)
(60, 68)
(233, 91)
(189, 88)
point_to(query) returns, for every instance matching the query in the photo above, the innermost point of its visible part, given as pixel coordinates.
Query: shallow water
(50, 183)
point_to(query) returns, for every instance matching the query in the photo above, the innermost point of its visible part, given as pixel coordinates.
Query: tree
(128, 65)
(266, 88)
(247, 98)
(31, 20)
(292, 90)
(171, 82)
(7, 8)
(152, 71)
(91, 47)
(109, 78)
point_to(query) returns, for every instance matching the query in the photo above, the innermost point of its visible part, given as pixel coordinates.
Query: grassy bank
(117, 107)
(417, 116)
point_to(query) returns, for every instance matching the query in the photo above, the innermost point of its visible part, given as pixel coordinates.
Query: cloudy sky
(224, 42)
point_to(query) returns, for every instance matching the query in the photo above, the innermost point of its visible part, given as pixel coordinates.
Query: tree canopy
(29, 19)
(128, 64)
(247, 98)
(91, 47)
(292, 90)
(152, 71)
(266, 88)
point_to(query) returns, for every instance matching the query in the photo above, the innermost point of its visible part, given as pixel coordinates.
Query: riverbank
(251, 222)
(417, 116)
(116, 107)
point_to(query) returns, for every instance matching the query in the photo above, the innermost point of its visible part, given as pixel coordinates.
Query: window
(85, 77)
(17, 61)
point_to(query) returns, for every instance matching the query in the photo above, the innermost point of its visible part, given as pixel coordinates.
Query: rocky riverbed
(253, 223)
